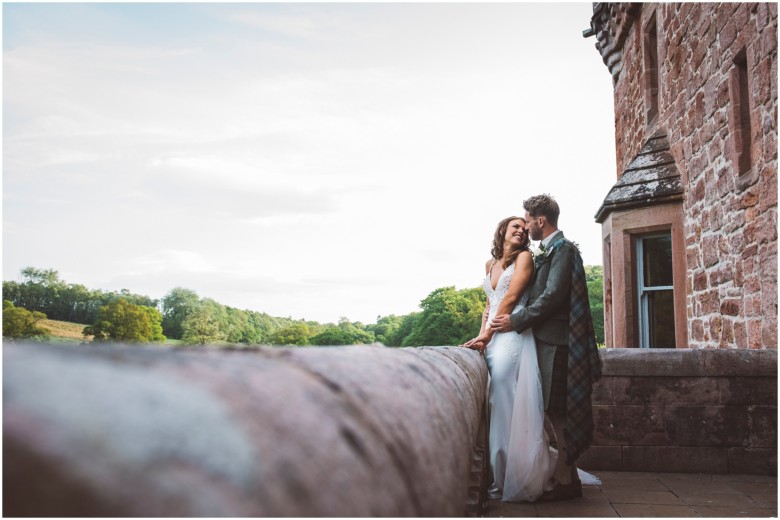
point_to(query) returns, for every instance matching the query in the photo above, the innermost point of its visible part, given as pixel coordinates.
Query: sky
(313, 161)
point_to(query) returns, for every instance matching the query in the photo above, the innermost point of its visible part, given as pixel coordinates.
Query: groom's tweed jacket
(559, 312)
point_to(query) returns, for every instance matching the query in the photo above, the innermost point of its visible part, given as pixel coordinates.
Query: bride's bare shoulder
(525, 258)
(487, 265)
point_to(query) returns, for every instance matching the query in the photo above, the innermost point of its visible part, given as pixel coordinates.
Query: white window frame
(643, 292)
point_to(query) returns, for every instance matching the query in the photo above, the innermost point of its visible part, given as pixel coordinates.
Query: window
(655, 290)
(650, 62)
(739, 94)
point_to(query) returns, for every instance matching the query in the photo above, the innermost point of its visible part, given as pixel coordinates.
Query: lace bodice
(502, 288)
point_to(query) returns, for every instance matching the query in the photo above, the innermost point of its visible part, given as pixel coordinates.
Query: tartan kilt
(554, 371)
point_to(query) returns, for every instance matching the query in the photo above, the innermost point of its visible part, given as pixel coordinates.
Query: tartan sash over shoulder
(584, 366)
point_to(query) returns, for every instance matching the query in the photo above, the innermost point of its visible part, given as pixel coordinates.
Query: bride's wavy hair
(498, 242)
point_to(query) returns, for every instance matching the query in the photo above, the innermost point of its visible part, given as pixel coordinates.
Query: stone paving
(657, 495)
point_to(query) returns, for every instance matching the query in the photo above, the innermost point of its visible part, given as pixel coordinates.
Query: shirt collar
(546, 241)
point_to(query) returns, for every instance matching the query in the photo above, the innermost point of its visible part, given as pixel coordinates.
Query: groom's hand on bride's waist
(501, 323)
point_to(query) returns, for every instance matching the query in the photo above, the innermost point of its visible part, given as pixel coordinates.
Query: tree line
(447, 316)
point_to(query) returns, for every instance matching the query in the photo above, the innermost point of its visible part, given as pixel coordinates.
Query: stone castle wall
(730, 220)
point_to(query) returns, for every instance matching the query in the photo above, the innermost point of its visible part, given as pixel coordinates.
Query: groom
(559, 312)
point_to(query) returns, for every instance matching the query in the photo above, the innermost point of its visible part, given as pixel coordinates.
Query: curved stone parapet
(144, 431)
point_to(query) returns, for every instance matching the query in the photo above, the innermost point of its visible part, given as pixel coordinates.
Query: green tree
(345, 333)
(594, 277)
(18, 322)
(123, 321)
(176, 305)
(294, 334)
(45, 277)
(404, 330)
(155, 324)
(449, 317)
(264, 325)
(39, 291)
(386, 328)
(201, 326)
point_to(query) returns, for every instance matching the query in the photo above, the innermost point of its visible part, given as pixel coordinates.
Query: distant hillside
(68, 332)
(65, 331)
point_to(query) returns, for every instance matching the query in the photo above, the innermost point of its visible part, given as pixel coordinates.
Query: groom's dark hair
(543, 205)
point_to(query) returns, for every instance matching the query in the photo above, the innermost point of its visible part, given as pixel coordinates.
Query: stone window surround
(619, 233)
(651, 69)
(742, 140)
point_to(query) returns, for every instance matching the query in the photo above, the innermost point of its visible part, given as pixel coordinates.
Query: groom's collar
(546, 242)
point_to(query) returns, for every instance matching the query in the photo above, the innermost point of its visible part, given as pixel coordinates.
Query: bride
(520, 460)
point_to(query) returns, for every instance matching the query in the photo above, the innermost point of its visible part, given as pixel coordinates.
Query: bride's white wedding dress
(520, 459)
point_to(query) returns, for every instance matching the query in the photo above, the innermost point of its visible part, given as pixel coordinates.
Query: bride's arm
(524, 269)
(481, 340)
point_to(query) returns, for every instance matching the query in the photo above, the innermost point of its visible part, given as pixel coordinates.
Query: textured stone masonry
(730, 220)
(685, 410)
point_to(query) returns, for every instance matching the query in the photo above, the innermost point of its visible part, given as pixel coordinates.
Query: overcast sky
(305, 160)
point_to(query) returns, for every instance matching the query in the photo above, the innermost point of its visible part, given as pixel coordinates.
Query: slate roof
(651, 178)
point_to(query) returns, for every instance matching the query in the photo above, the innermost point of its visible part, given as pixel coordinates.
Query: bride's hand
(478, 343)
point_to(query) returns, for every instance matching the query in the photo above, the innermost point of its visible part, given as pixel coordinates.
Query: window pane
(657, 261)
(660, 310)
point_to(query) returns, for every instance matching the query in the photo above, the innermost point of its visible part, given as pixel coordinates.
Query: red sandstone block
(697, 330)
(739, 275)
(710, 302)
(741, 390)
(767, 234)
(733, 363)
(628, 425)
(604, 458)
(740, 335)
(769, 300)
(675, 459)
(653, 362)
(666, 390)
(710, 250)
(603, 391)
(750, 252)
(752, 461)
(763, 80)
(699, 53)
(735, 240)
(727, 334)
(731, 307)
(697, 425)
(752, 306)
(715, 327)
(749, 198)
(699, 281)
(741, 15)
(768, 189)
(754, 334)
(728, 34)
(768, 40)
(752, 285)
(769, 332)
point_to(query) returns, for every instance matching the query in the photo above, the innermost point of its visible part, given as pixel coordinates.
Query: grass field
(68, 332)
(65, 331)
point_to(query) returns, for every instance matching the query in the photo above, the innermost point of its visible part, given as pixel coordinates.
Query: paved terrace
(659, 495)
